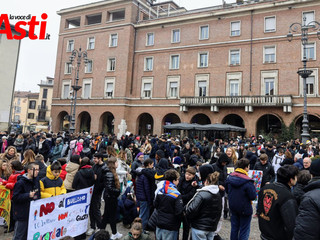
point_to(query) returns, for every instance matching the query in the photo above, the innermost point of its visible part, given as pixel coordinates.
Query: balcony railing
(45, 82)
(248, 102)
(42, 108)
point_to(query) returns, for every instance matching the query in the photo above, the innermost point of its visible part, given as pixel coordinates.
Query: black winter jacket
(277, 211)
(204, 209)
(298, 192)
(186, 189)
(169, 206)
(110, 190)
(84, 178)
(308, 219)
(21, 199)
(98, 171)
(268, 172)
(217, 167)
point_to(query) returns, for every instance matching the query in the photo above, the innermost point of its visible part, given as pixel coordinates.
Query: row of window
(113, 42)
(269, 85)
(269, 56)
(235, 29)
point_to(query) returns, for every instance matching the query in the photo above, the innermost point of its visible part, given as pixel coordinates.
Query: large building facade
(156, 64)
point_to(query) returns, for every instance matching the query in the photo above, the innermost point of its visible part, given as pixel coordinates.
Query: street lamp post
(304, 73)
(79, 55)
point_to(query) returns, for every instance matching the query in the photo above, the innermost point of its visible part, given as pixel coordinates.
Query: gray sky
(38, 57)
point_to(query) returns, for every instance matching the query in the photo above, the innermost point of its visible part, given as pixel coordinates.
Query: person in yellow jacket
(52, 185)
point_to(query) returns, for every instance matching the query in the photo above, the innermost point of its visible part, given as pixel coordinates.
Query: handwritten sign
(60, 216)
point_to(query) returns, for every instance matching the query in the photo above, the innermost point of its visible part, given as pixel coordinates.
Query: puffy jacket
(169, 205)
(145, 185)
(63, 172)
(12, 181)
(268, 172)
(241, 192)
(308, 219)
(71, 168)
(110, 190)
(84, 178)
(204, 209)
(277, 211)
(21, 196)
(161, 168)
(51, 186)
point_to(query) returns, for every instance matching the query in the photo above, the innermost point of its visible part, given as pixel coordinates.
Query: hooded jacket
(145, 185)
(72, 169)
(110, 190)
(51, 186)
(169, 205)
(161, 168)
(218, 167)
(84, 178)
(204, 209)
(21, 196)
(241, 192)
(308, 219)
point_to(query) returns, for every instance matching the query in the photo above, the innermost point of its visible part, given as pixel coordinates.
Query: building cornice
(221, 12)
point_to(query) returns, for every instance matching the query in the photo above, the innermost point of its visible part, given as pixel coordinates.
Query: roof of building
(25, 94)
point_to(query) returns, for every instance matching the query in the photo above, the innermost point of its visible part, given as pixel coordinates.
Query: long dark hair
(112, 166)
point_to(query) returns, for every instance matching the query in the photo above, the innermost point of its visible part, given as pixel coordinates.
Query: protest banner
(59, 216)
(5, 204)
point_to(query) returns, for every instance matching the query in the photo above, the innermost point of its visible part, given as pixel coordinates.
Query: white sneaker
(116, 236)
(90, 232)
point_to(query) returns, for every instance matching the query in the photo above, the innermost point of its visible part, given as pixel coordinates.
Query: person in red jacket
(63, 162)
(17, 170)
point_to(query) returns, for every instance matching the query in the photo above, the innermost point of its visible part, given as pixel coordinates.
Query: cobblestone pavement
(224, 233)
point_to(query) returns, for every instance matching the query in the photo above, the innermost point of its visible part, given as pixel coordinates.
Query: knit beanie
(205, 170)
(139, 154)
(224, 158)
(315, 167)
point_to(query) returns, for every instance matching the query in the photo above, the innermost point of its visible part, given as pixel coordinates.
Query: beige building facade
(33, 110)
(157, 64)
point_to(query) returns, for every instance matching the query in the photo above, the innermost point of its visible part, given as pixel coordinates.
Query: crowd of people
(160, 183)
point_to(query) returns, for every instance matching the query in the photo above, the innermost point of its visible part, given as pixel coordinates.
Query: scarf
(240, 170)
(169, 189)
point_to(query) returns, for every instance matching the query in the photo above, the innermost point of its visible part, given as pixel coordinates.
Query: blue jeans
(163, 234)
(144, 213)
(240, 227)
(201, 235)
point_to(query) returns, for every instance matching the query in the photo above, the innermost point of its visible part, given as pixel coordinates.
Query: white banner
(63, 215)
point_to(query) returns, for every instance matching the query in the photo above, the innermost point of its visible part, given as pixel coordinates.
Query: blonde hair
(233, 157)
(29, 157)
(213, 178)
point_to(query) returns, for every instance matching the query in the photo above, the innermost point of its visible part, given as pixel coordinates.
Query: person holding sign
(25, 190)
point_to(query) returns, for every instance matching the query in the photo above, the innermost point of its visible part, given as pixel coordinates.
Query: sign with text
(60, 216)
(5, 204)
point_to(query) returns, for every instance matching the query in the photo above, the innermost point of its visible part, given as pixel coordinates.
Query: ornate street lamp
(79, 55)
(304, 73)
